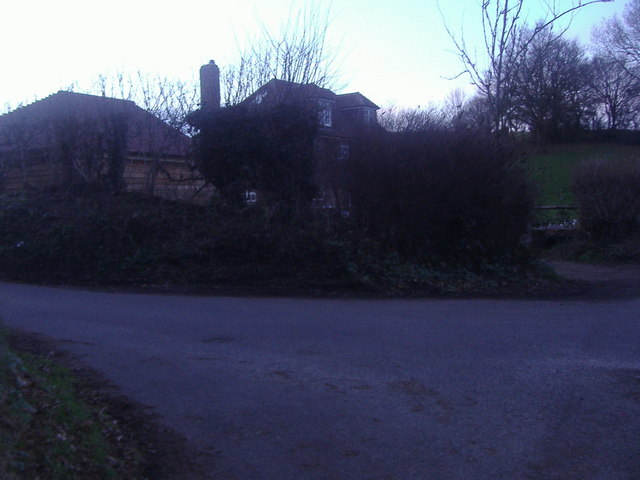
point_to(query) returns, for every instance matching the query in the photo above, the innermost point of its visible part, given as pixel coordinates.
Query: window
(343, 152)
(324, 112)
(324, 200)
(369, 116)
(250, 196)
(319, 200)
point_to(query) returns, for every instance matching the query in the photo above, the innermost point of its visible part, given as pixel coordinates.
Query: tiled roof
(346, 121)
(276, 90)
(354, 100)
(146, 133)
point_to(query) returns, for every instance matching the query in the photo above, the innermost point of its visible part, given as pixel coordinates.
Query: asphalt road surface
(296, 389)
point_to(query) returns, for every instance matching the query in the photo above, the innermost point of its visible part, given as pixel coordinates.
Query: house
(342, 119)
(69, 138)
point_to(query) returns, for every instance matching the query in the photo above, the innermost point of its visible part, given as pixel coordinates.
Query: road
(297, 389)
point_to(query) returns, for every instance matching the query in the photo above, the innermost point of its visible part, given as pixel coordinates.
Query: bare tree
(167, 100)
(616, 90)
(505, 41)
(620, 38)
(417, 119)
(616, 66)
(299, 52)
(18, 137)
(550, 86)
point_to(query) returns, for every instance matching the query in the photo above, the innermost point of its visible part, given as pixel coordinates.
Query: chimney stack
(209, 86)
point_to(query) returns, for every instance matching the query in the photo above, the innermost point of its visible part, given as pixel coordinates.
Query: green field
(552, 170)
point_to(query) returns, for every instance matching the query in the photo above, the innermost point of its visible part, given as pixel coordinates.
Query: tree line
(536, 79)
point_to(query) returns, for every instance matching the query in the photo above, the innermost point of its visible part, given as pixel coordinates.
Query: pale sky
(394, 52)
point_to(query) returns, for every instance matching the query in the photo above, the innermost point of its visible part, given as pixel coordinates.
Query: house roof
(146, 133)
(354, 100)
(276, 90)
(344, 124)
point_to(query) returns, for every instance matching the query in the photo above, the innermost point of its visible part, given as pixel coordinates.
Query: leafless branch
(298, 52)
(505, 41)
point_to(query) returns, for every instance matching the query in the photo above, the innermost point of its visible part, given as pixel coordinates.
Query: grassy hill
(552, 169)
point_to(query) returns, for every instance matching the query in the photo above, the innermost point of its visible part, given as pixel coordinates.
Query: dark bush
(608, 194)
(440, 192)
(85, 235)
(270, 151)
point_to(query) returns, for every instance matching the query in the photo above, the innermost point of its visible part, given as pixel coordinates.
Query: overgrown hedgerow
(431, 210)
(91, 237)
(445, 192)
(85, 234)
(88, 236)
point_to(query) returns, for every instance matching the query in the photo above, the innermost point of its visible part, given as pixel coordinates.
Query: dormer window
(324, 112)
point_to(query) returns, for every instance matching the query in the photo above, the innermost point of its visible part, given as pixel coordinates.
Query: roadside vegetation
(87, 237)
(437, 201)
(48, 431)
(600, 180)
(432, 206)
(552, 168)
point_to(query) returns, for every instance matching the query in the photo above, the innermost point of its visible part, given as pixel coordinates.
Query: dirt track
(601, 282)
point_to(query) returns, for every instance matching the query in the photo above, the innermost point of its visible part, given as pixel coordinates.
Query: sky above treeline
(395, 53)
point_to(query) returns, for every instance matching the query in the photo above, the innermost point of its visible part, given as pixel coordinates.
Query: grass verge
(552, 171)
(48, 431)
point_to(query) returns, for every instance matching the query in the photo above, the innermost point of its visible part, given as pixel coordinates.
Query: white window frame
(324, 112)
(250, 196)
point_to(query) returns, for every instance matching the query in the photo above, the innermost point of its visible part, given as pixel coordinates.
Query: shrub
(608, 195)
(85, 234)
(91, 237)
(88, 236)
(441, 192)
(271, 150)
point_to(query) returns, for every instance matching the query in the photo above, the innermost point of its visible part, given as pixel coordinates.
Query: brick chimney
(209, 86)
